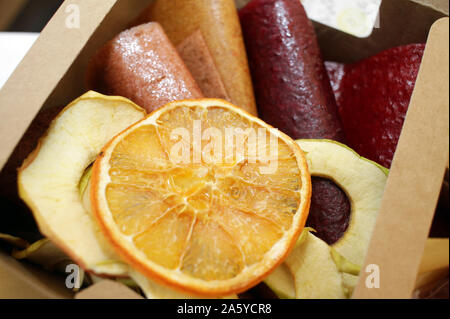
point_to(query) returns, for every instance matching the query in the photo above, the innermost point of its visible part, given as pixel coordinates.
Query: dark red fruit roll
(294, 94)
(373, 98)
(291, 84)
(330, 210)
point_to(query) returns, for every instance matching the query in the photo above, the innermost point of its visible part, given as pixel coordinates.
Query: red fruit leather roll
(142, 64)
(373, 98)
(294, 94)
(292, 87)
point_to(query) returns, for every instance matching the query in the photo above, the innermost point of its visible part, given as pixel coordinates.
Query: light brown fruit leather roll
(195, 54)
(142, 65)
(219, 23)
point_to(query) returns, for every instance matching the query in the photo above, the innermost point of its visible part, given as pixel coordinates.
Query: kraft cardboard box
(53, 73)
(9, 11)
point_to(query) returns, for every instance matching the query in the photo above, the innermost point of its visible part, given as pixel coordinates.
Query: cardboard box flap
(440, 5)
(34, 79)
(108, 289)
(9, 11)
(415, 179)
(25, 281)
(401, 22)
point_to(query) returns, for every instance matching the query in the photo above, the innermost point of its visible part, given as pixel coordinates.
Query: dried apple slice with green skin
(316, 275)
(14, 241)
(313, 271)
(281, 282)
(49, 179)
(349, 282)
(345, 266)
(44, 253)
(152, 290)
(361, 179)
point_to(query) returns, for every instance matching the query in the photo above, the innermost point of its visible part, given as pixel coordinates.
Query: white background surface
(13, 47)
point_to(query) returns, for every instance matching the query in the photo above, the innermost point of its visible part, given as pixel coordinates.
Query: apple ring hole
(330, 210)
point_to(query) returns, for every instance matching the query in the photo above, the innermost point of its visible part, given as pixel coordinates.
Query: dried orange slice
(202, 196)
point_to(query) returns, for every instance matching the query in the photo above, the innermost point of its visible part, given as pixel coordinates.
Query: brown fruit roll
(218, 22)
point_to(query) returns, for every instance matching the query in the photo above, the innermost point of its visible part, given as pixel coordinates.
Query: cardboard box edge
(377, 247)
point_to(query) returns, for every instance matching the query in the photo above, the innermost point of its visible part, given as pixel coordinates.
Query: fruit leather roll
(373, 96)
(198, 59)
(294, 94)
(292, 88)
(218, 22)
(142, 64)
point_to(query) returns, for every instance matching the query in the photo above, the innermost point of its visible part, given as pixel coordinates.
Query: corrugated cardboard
(53, 72)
